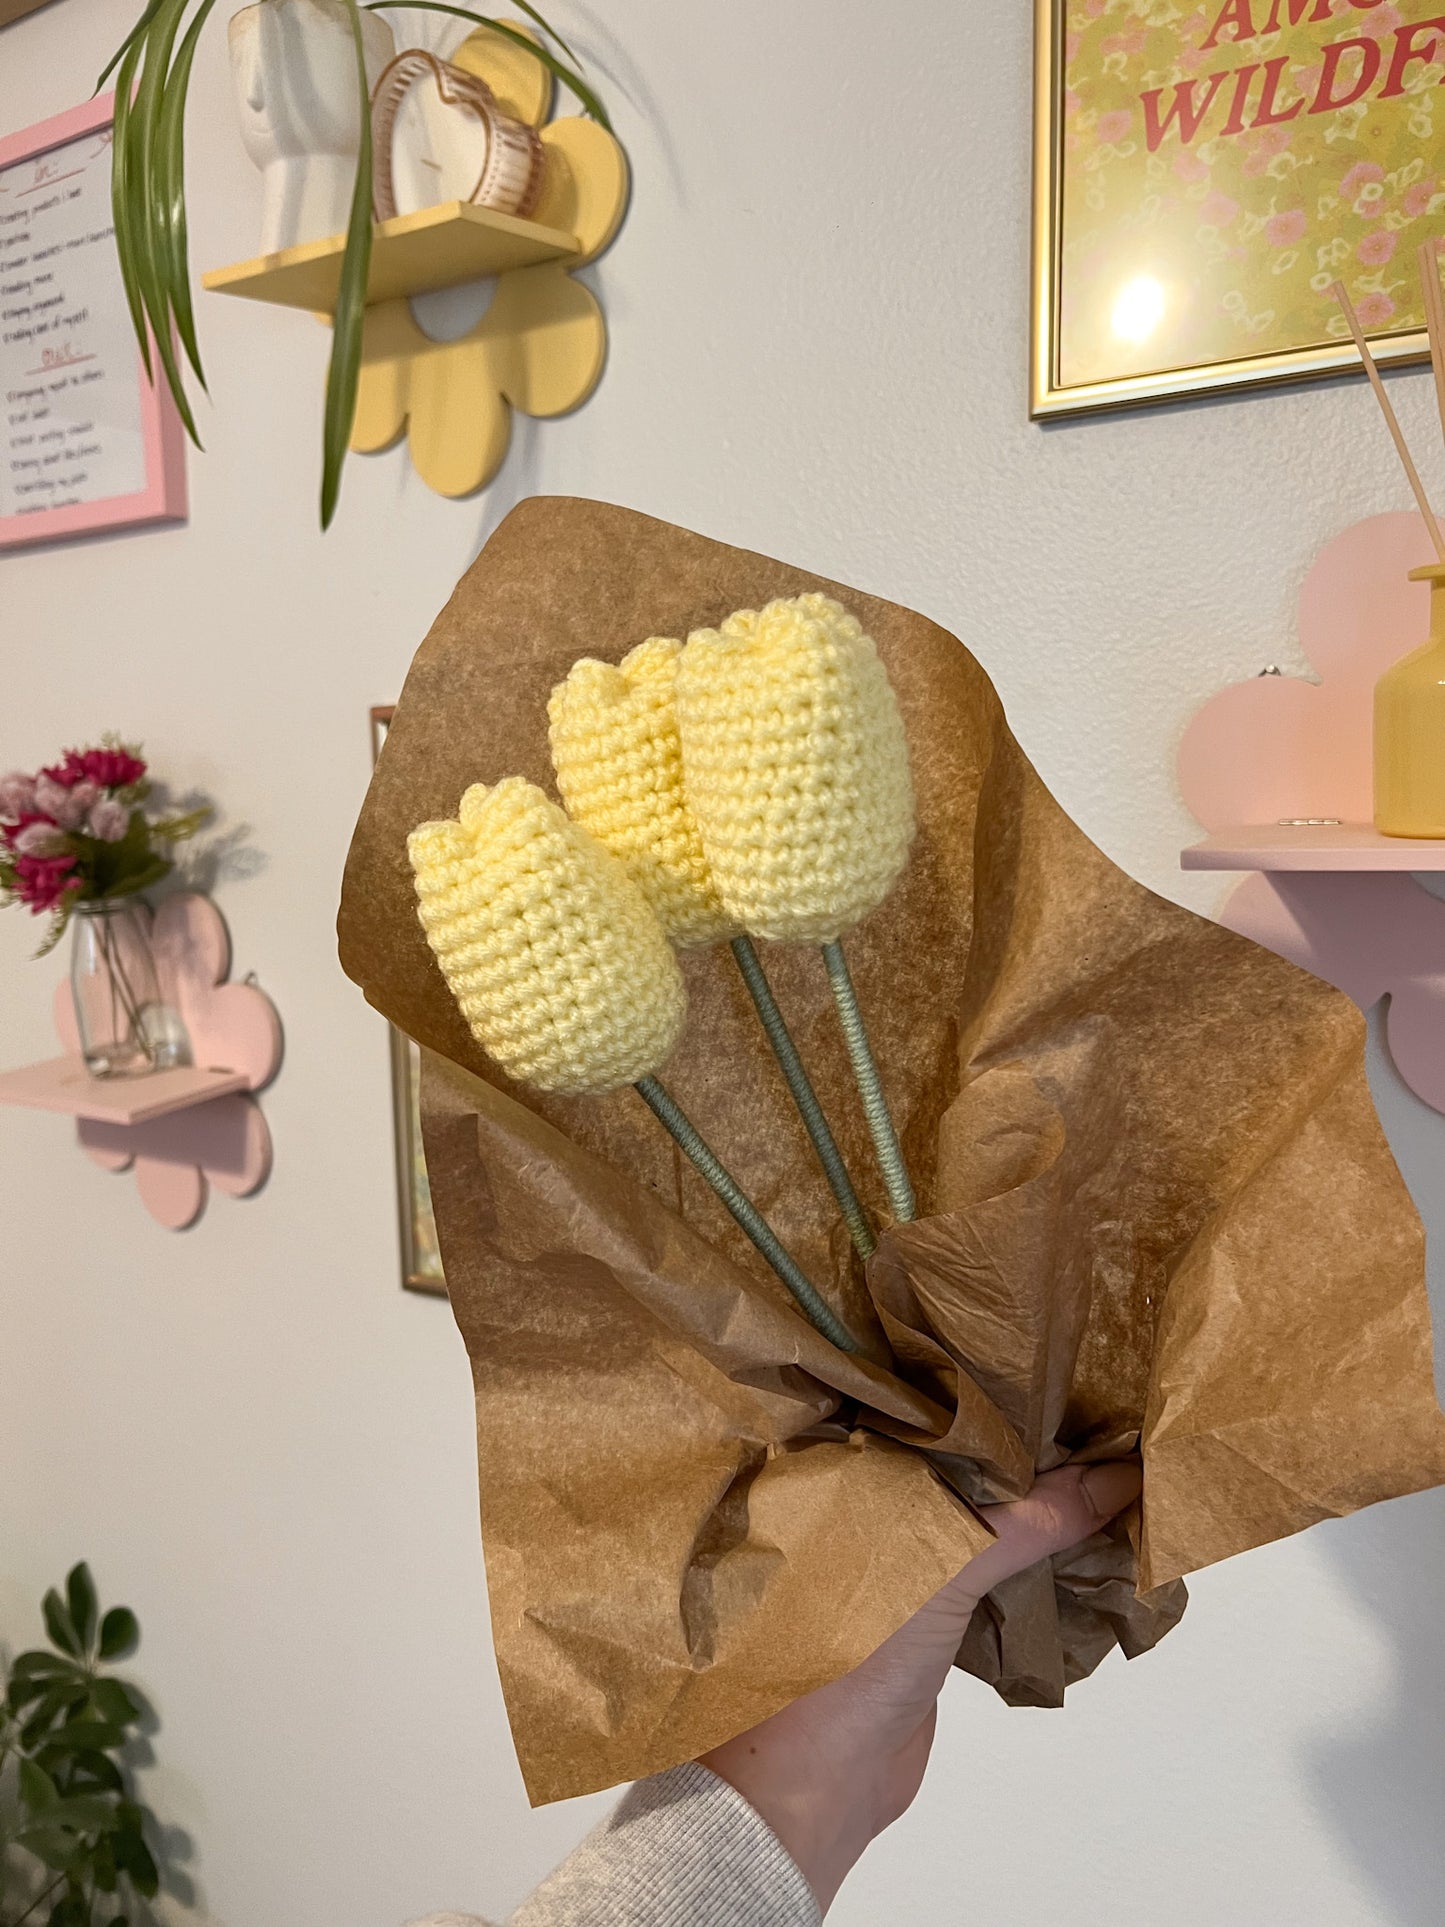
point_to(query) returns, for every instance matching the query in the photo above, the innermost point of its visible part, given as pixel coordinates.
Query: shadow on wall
(1380, 1783)
(519, 476)
(220, 852)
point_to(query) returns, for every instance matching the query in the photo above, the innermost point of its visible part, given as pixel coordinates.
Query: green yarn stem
(870, 1087)
(745, 1211)
(804, 1096)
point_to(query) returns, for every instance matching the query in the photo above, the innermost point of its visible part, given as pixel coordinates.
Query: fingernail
(1112, 1486)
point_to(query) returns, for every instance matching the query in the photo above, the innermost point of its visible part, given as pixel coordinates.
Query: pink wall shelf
(1314, 846)
(64, 1084)
(1336, 897)
(182, 1131)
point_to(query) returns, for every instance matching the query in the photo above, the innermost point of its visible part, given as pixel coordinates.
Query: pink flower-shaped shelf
(1263, 754)
(221, 1140)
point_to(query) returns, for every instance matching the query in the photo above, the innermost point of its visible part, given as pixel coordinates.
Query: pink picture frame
(162, 496)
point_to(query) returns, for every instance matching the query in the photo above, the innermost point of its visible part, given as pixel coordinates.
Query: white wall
(818, 313)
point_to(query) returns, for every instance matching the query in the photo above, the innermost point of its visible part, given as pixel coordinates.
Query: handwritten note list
(70, 403)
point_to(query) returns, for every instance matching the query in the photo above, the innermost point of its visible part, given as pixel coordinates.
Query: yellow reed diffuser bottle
(1410, 729)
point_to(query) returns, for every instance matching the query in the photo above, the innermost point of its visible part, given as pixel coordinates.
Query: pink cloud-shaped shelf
(1263, 755)
(201, 1140)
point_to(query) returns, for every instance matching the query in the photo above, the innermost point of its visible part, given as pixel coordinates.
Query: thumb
(1063, 1508)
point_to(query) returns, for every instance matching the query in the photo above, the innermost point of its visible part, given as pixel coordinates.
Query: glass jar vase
(125, 1029)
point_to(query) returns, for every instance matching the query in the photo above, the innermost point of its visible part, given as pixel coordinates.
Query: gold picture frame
(421, 1264)
(17, 9)
(1364, 191)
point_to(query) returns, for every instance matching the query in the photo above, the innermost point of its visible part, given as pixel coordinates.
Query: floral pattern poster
(1216, 168)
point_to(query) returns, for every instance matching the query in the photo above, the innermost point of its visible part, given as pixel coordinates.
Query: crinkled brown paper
(1158, 1214)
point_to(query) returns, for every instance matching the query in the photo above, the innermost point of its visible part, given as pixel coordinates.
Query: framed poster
(86, 441)
(421, 1260)
(1205, 170)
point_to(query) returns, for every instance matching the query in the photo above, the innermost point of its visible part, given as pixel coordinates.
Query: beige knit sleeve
(681, 1850)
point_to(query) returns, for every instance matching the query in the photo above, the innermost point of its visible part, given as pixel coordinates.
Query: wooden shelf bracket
(182, 1131)
(1278, 770)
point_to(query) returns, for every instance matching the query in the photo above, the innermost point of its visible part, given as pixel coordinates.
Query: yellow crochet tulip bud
(797, 774)
(797, 767)
(550, 949)
(618, 760)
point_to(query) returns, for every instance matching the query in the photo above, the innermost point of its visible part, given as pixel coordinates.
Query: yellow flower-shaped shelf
(542, 343)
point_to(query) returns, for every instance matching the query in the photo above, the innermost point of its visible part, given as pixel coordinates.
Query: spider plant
(152, 69)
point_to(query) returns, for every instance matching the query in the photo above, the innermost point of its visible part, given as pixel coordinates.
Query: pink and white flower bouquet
(77, 832)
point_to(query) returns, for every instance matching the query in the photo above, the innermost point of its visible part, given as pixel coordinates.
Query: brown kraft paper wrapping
(1157, 1214)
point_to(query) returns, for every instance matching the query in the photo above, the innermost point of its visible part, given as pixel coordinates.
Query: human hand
(835, 1768)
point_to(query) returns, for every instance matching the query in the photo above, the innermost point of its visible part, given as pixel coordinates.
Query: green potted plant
(73, 1851)
(152, 69)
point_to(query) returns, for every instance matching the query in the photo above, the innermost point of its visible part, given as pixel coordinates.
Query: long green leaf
(154, 250)
(140, 212)
(546, 26)
(120, 195)
(568, 76)
(172, 185)
(154, 256)
(343, 374)
(125, 46)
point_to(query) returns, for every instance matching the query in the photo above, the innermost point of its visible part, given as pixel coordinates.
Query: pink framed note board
(86, 441)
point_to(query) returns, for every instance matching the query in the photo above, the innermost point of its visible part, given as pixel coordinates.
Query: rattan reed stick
(1429, 265)
(1422, 501)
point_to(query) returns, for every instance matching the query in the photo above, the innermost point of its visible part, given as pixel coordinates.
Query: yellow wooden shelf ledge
(439, 247)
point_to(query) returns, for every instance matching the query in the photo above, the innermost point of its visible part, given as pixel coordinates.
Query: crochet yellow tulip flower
(797, 767)
(558, 965)
(796, 770)
(564, 974)
(618, 759)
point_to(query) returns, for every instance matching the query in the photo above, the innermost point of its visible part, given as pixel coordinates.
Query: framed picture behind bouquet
(421, 1261)
(1205, 170)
